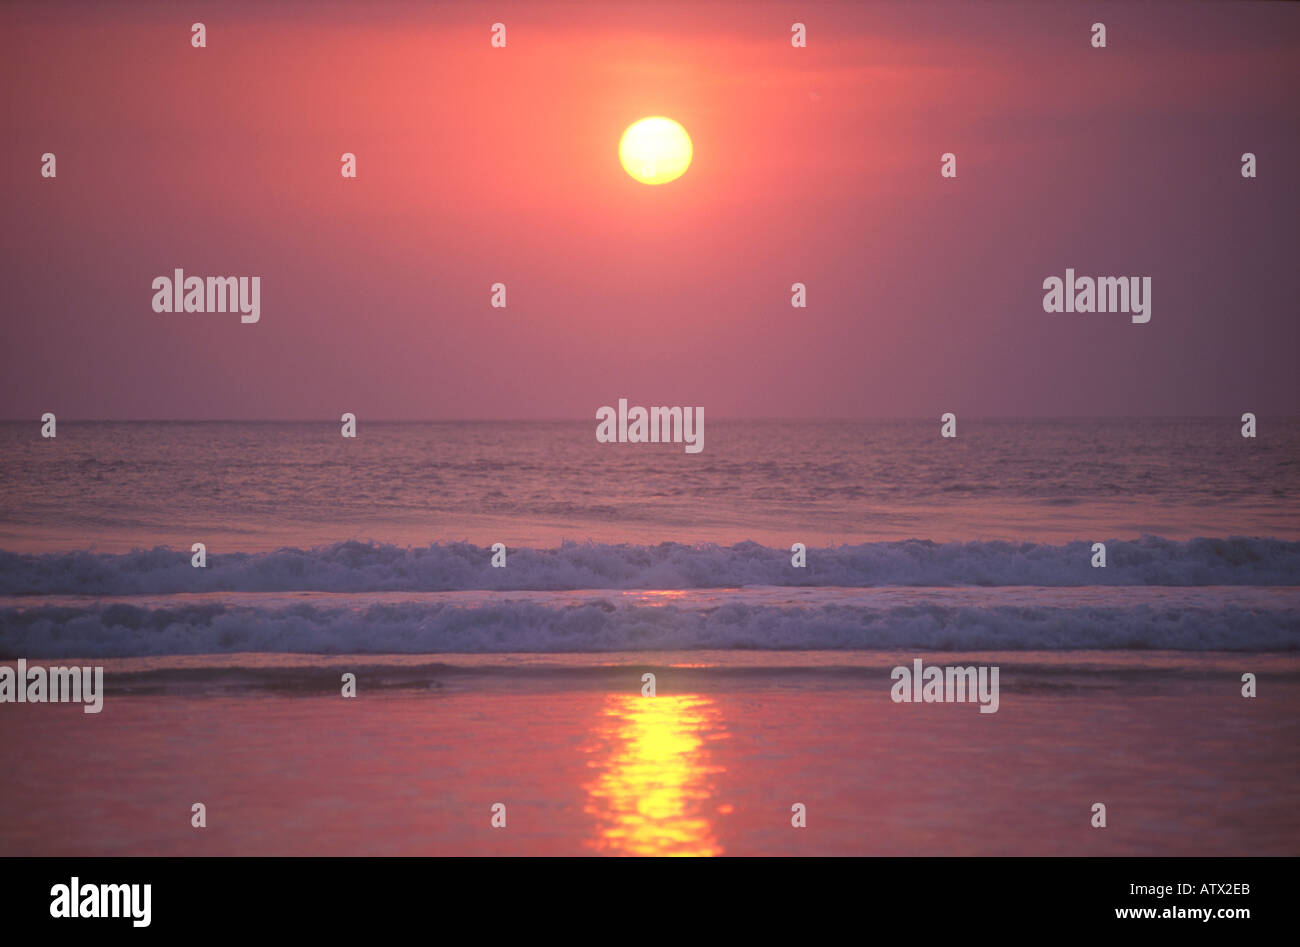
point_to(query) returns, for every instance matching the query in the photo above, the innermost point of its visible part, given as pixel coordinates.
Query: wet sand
(712, 764)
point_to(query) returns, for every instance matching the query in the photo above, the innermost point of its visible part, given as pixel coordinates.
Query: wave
(105, 630)
(365, 567)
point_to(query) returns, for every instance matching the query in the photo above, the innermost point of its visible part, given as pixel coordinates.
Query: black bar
(303, 896)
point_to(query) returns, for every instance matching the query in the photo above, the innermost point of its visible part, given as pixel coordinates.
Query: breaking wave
(119, 629)
(363, 567)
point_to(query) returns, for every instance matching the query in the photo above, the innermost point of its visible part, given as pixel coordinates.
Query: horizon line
(557, 420)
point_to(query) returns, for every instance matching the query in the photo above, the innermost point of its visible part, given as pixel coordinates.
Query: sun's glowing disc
(655, 150)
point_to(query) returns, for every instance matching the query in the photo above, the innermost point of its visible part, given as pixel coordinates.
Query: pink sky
(479, 165)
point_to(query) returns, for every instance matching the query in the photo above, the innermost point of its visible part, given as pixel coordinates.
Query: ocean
(113, 487)
(374, 557)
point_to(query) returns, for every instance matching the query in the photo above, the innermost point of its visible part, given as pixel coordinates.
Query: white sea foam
(360, 567)
(1010, 619)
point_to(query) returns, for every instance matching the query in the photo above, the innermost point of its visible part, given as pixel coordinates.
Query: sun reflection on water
(653, 793)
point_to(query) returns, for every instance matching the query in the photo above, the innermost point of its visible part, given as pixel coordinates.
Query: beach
(710, 765)
(357, 667)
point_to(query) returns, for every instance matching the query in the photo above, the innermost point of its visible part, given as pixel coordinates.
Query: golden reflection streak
(655, 597)
(653, 794)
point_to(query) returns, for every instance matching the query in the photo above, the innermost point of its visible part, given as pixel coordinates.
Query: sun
(655, 150)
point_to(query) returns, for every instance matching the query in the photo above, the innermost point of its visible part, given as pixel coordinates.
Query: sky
(478, 165)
